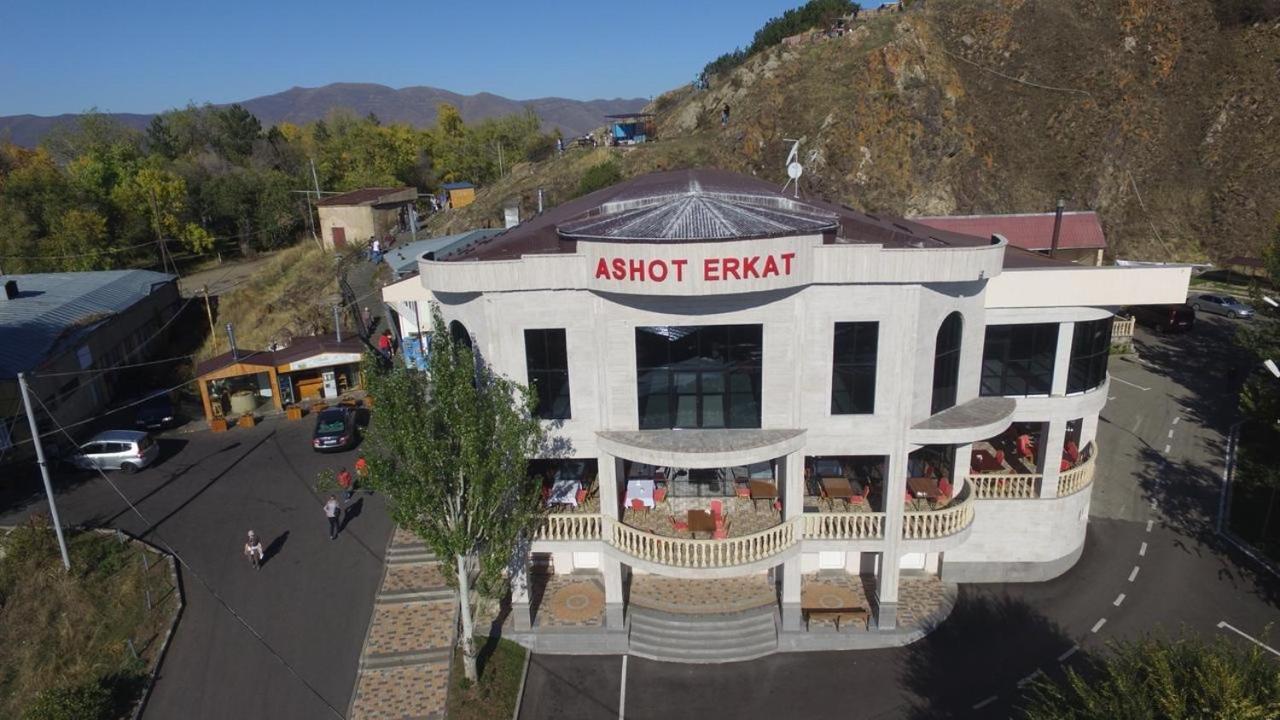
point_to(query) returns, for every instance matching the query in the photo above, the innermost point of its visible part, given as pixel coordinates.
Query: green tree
(17, 239)
(1157, 678)
(161, 196)
(448, 448)
(600, 175)
(80, 237)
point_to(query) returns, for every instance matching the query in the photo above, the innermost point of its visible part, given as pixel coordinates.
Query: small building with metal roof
(67, 330)
(357, 216)
(459, 194)
(403, 260)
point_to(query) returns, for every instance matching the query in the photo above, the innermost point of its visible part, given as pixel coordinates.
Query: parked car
(127, 450)
(156, 413)
(1221, 305)
(335, 429)
(1162, 318)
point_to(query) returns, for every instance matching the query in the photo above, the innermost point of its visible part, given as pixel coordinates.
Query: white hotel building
(922, 403)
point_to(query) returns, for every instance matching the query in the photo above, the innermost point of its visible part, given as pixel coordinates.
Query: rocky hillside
(1152, 112)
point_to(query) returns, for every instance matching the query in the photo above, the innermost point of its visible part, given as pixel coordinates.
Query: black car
(1163, 318)
(335, 429)
(155, 413)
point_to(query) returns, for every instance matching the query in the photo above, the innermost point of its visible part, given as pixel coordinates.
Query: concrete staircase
(703, 638)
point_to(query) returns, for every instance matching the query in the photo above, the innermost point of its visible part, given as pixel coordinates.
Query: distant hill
(413, 105)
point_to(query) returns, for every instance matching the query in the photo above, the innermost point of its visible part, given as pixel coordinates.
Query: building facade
(765, 386)
(359, 215)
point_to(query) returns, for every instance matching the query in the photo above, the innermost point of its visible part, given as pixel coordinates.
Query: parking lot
(310, 602)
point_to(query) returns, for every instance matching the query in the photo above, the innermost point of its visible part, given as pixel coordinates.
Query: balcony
(1009, 485)
(741, 552)
(940, 522)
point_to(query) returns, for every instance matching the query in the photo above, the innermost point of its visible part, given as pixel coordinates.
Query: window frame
(705, 366)
(860, 365)
(1090, 352)
(1011, 382)
(547, 375)
(946, 363)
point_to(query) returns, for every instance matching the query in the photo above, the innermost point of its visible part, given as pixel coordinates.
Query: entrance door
(330, 384)
(339, 238)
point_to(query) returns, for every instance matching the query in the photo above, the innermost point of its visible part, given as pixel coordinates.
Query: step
(703, 638)
(420, 557)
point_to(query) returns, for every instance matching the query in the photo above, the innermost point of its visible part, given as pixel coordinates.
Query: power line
(113, 368)
(192, 571)
(111, 251)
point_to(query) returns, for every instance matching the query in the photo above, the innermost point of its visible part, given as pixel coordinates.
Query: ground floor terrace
(1009, 507)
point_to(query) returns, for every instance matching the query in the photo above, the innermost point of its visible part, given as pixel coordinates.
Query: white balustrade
(569, 526)
(1079, 477)
(931, 524)
(1121, 329)
(1004, 486)
(687, 553)
(843, 526)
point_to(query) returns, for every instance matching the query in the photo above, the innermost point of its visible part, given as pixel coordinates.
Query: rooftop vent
(11, 290)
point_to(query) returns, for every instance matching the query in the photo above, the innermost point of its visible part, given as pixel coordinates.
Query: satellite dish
(794, 170)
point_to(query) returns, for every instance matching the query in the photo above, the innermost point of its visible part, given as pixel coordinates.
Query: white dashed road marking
(1170, 434)
(1098, 625)
(1166, 449)
(1149, 523)
(1126, 382)
(1142, 550)
(1250, 638)
(1175, 420)
(985, 703)
(1133, 574)
(1119, 599)
(1072, 651)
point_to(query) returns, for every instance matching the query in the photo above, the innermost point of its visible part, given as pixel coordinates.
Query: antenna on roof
(794, 169)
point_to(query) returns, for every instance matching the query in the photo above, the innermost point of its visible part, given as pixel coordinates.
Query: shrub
(599, 176)
(86, 701)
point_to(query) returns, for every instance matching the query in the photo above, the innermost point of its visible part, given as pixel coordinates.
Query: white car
(127, 450)
(1221, 305)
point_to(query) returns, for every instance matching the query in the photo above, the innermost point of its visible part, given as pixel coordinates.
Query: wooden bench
(837, 616)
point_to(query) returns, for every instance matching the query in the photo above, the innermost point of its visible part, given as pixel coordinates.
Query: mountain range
(413, 105)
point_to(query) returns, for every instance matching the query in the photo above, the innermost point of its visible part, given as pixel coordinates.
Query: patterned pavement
(725, 595)
(569, 601)
(919, 597)
(404, 669)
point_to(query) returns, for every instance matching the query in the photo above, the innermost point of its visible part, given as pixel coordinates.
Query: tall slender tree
(449, 450)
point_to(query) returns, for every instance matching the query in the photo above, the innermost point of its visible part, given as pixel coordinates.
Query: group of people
(253, 549)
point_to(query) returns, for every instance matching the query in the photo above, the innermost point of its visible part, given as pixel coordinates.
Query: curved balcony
(672, 552)
(843, 526)
(569, 526)
(935, 524)
(1024, 486)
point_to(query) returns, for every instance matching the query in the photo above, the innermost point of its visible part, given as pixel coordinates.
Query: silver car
(127, 450)
(1221, 305)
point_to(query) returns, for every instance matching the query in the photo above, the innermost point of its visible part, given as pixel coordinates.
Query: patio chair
(638, 505)
(944, 499)
(679, 525)
(659, 494)
(581, 496)
(717, 510)
(1071, 452)
(742, 490)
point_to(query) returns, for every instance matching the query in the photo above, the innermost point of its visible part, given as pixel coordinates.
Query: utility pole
(501, 172)
(337, 321)
(44, 469)
(155, 225)
(213, 332)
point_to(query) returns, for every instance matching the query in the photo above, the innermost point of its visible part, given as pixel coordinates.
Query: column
(614, 610)
(521, 611)
(792, 485)
(610, 469)
(960, 467)
(792, 617)
(895, 489)
(1062, 361)
(1051, 457)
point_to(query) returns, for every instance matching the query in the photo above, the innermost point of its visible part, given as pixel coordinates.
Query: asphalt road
(1151, 564)
(310, 602)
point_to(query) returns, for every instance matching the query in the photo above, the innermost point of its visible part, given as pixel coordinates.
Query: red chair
(581, 496)
(777, 505)
(742, 490)
(679, 525)
(717, 510)
(720, 533)
(861, 499)
(1026, 448)
(659, 495)
(1065, 466)
(638, 505)
(944, 487)
(1000, 457)
(1071, 451)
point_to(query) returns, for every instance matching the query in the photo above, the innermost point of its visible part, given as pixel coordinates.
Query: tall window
(699, 376)
(853, 368)
(946, 363)
(547, 361)
(1018, 359)
(1090, 346)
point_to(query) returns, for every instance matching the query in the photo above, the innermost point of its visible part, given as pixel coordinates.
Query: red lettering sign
(714, 269)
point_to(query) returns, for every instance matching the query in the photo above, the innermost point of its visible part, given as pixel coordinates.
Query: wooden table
(838, 488)
(924, 487)
(701, 521)
(985, 462)
(762, 490)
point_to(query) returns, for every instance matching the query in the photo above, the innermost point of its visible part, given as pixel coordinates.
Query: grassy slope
(59, 628)
(495, 695)
(1162, 121)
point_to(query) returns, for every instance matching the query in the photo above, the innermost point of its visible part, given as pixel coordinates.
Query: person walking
(345, 482)
(362, 469)
(253, 550)
(367, 317)
(384, 344)
(376, 255)
(724, 115)
(331, 510)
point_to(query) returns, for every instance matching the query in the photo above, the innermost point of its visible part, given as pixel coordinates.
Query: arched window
(459, 333)
(946, 363)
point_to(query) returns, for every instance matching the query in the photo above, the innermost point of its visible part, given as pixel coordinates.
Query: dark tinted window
(946, 363)
(1018, 359)
(547, 360)
(853, 368)
(699, 377)
(1090, 347)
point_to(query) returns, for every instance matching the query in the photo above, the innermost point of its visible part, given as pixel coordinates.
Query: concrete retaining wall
(1020, 540)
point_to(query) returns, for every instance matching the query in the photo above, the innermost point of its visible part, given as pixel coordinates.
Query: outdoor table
(984, 461)
(924, 487)
(762, 490)
(701, 521)
(641, 490)
(838, 488)
(564, 492)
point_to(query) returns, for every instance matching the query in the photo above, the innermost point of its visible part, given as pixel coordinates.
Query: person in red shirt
(384, 344)
(345, 482)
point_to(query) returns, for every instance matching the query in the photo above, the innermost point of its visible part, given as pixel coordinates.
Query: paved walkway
(404, 669)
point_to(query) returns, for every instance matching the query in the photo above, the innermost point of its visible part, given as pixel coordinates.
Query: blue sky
(146, 56)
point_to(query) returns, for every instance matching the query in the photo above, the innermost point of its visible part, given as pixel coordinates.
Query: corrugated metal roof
(371, 196)
(1030, 231)
(54, 310)
(457, 185)
(404, 259)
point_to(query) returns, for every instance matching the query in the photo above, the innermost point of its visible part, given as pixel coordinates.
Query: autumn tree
(448, 448)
